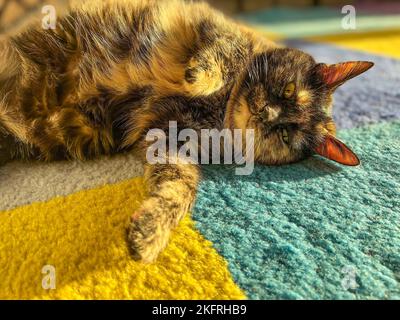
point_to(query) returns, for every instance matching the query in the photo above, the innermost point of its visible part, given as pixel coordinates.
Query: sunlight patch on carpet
(83, 237)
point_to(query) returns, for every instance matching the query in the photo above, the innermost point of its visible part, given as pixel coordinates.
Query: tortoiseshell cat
(112, 70)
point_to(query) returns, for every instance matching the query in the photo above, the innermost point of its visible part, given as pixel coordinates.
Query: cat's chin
(279, 162)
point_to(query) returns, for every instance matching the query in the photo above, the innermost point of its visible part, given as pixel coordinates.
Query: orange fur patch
(304, 98)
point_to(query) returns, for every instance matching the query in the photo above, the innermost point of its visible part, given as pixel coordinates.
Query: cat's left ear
(336, 74)
(334, 149)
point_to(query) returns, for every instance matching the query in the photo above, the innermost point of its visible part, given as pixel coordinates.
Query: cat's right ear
(334, 149)
(334, 75)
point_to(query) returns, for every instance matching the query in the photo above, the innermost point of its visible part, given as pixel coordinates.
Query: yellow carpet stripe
(381, 42)
(83, 237)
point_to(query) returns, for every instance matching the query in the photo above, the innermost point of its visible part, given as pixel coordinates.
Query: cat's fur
(112, 70)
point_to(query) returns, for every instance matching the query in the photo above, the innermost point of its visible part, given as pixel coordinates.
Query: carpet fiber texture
(310, 222)
(313, 230)
(83, 237)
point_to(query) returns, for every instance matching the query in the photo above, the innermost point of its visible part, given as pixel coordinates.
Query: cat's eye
(284, 135)
(289, 90)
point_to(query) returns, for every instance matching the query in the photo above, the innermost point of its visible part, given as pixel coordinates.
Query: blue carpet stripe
(288, 232)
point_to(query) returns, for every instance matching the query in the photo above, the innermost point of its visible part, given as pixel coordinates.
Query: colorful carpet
(313, 230)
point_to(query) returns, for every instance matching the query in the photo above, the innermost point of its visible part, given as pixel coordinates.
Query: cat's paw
(203, 78)
(147, 236)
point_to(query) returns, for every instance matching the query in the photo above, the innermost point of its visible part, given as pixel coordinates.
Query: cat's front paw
(147, 236)
(203, 78)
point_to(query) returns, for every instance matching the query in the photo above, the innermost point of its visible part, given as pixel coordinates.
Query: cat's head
(286, 97)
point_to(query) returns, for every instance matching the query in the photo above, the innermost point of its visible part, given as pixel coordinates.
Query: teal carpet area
(316, 229)
(290, 232)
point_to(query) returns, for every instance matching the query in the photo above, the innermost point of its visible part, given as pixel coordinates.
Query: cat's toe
(190, 75)
(202, 78)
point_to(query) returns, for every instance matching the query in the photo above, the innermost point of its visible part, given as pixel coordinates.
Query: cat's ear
(334, 75)
(333, 149)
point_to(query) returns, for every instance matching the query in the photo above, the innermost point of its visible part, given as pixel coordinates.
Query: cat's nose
(271, 113)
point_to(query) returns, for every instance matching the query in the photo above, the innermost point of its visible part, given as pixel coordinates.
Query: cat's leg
(204, 74)
(57, 132)
(30, 110)
(69, 133)
(13, 129)
(172, 191)
(219, 57)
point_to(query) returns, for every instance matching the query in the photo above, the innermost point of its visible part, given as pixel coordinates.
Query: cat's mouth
(284, 134)
(285, 131)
